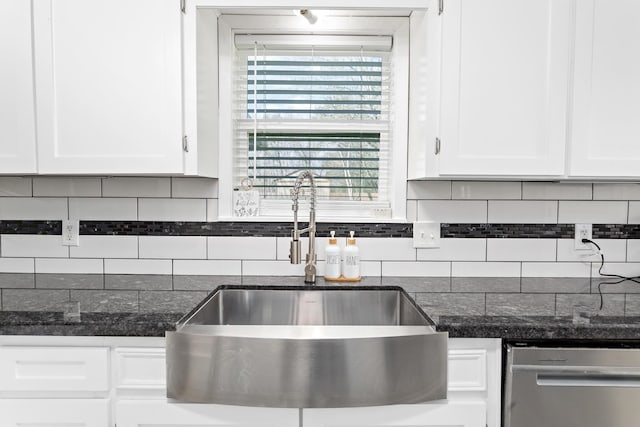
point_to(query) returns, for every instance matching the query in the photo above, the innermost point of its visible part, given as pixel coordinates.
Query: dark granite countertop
(596, 328)
(541, 327)
(91, 324)
(155, 325)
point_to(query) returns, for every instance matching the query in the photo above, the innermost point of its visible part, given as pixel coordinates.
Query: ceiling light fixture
(309, 16)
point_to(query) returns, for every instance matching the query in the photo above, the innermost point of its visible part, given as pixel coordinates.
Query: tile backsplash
(167, 227)
(141, 225)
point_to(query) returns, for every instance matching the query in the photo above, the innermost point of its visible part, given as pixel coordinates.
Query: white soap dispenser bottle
(332, 255)
(351, 259)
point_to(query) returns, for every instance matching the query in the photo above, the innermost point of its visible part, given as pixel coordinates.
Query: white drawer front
(54, 413)
(160, 413)
(140, 370)
(54, 369)
(467, 370)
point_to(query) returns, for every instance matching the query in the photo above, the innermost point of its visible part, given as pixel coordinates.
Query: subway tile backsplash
(210, 267)
(485, 269)
(452, 210)
(480, 190)
(33, 208)
(194, 188)
(521, 249)
(107, 208)
(616, 192)
(523, 211)
(138, 266)
(555, 269)
(556, 191)
(32, 246)
(172, 209)
(106, 247)
(16, 186)
(456, 250)
(136, 187)
(172, 247)
(498, 239)
(66, 186)
(69, 265)
(609, 212)
(17, 265)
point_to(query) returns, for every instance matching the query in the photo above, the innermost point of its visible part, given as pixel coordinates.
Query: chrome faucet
(294, 254)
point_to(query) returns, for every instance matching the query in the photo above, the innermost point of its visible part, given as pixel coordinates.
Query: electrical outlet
(381, 213)
(583, 231)
(70, 232)
(426, 234)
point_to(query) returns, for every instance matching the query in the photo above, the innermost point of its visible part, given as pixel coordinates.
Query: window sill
(302, 217)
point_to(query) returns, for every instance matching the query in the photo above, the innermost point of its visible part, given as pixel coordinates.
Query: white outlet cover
(70, 232)
(426, 234)
(583, 231)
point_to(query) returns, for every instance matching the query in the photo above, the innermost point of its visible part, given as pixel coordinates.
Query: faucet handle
(295, 252)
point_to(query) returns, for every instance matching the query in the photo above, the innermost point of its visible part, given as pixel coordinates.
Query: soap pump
(332, 255)
(351, 259)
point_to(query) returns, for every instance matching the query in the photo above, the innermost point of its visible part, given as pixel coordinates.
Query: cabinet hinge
(183, 6)
(185, 144)
(440, 7)
(437, 150)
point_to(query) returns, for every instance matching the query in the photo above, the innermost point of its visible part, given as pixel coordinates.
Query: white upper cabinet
(17, 114)
(504, 85)
(200, 90)
(108, 86)
(605, 137)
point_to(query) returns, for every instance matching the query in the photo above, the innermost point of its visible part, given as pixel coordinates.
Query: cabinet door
(17, 114)
(505, 70)
(458, 414)
(108, 85)
(474, 373)
(42, 369)
(605, 137)
(152, 413)
(140, 372)
(54, 412)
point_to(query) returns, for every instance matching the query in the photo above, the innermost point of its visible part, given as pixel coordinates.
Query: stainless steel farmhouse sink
(306, 347)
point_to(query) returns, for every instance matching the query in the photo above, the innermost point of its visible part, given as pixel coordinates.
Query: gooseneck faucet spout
(294, 255)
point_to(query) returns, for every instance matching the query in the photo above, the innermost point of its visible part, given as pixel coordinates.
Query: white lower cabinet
(25, 369)
(55, 413)
(45, 385)
(140, 372)
(443, 414)
(99, 381)
(475, 366)
(151, 413)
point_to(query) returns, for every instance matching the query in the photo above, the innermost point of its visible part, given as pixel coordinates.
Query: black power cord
(622, 278)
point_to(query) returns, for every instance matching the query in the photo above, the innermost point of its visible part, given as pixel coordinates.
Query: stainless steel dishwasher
(567, 387)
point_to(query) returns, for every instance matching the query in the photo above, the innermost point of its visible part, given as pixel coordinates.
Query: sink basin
(306, 347)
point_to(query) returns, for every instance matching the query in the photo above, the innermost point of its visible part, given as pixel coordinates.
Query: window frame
(398, 28)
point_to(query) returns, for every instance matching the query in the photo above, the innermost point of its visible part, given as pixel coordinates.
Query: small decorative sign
(246, 201)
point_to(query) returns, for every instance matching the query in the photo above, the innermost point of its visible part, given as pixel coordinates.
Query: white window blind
(318, 109)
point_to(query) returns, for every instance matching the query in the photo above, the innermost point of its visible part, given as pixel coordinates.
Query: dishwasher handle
(600, 379)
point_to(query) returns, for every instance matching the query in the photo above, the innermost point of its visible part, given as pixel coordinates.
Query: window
(321, 102)
(339, 99)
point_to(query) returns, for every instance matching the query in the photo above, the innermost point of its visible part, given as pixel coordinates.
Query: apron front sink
(306, 347)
